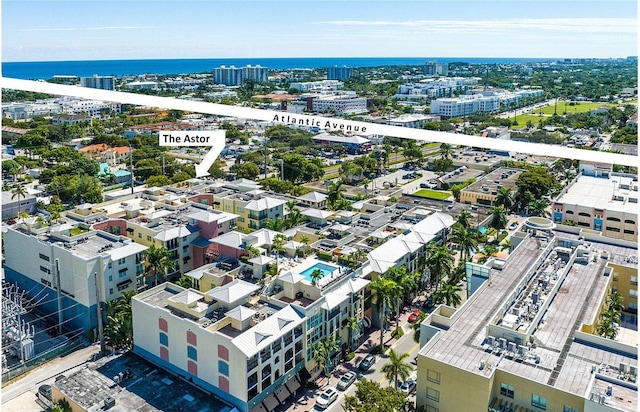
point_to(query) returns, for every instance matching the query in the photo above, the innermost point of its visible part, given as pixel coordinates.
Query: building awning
(124, 282)
(259, 408)
(271, 403)
(293, 385)
(282, 393)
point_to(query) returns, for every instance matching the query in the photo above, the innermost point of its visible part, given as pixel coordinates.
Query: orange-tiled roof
(94, 148)
(120, 150)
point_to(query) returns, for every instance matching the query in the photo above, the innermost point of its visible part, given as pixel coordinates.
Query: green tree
(466, 241)
(464, 219)
(505, 198)
(538, 207)
(440, 263)
(371, 397)
(184, 281)
(442, 164)
(322, 351)
(335, 193)
(157, 181)
(159, 260)
(247, 170)
(11, 167)
(488, 251)
(397, 367)
(407, 283)
(315, 276)
(119, 326)
(445, 150)
(448, 293)
(353, 325)
(416, 327)
(498, 217)
(20, 192)
(386, 291)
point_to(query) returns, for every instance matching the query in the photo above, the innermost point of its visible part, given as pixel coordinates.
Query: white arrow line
(269, 115)
(202, 169)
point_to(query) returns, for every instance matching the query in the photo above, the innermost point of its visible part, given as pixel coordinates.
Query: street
(44, 374)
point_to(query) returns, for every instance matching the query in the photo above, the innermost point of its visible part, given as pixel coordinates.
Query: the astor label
(189, 138)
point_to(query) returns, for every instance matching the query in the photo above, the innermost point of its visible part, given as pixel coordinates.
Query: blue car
(367, 362)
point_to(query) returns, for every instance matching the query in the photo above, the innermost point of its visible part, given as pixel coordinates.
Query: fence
(60, 350)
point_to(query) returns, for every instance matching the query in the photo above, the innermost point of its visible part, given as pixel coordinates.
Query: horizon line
(318, 57)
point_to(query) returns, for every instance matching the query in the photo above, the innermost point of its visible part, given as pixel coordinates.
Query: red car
(415, 315)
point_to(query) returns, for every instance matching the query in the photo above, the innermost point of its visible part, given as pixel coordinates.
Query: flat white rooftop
(598, 192)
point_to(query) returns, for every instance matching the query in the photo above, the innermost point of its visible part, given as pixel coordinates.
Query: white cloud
(575, 25)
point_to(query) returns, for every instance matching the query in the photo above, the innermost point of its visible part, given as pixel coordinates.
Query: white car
(408, 386)
(346, 380)
(327, 397)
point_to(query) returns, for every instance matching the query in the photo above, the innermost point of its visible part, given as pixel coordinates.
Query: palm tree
(396, 367)
(440, 263)
(448, 293)
(342, 204)
(445, 150)
(488, 251)
(615, 302)
(304, 239)
(498, 217)
(19, 192)
(159, 260)
(23, 215)
(322, 351)
(316, 275)
(353, 325)
(276, 224)
(386, 291)
(505, 198)
(294, 217)
(407, 283)
(335, 193)
(538, 207)
(464, 218)
(466, 241)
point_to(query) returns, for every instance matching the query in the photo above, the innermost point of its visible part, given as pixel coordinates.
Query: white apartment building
(340, 103)
(99, 82)
(434, 88)
(142, 85)
(318, 86)
(91, 263)
(465, 105)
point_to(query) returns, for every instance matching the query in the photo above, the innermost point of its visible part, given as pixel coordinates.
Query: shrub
(324, 255)
(397, 333)
(349, 356)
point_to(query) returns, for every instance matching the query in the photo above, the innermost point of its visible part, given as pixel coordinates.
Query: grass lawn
(578, 107)
(433, 194)
(76, 231)
(524, 118)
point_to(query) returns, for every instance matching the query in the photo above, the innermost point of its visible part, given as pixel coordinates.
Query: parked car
(327, 397)
(346, 380)
(367, 362)
(424, 185)
(415, 315)
(408, 386)
(45, 392)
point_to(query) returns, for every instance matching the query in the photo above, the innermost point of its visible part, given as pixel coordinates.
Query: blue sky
(97, 30)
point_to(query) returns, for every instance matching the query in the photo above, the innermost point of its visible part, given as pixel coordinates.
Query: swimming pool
(326, 270)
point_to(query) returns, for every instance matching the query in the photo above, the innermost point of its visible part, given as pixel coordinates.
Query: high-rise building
(339, 73)
(99, 82)
(432, 68)
(234, 76)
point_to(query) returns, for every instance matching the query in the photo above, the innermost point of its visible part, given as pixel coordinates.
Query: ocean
(46, 70)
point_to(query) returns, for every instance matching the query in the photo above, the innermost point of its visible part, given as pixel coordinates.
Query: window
(569, 409)
(613, 229)
(164, 339)
(613, 219)
(44, 257)
(139, 235)
(122, 261)
(223, 367)
(45, 270)
(506, 390)
(433, 394)
(634, 280)
(148, 238)
(632, 306)
(539, 401)
(633, 293)
(122, 273)
(111, 291)
(433, 376)
(629, 232)
(192, 353)
(630, 222)
(110, 278)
